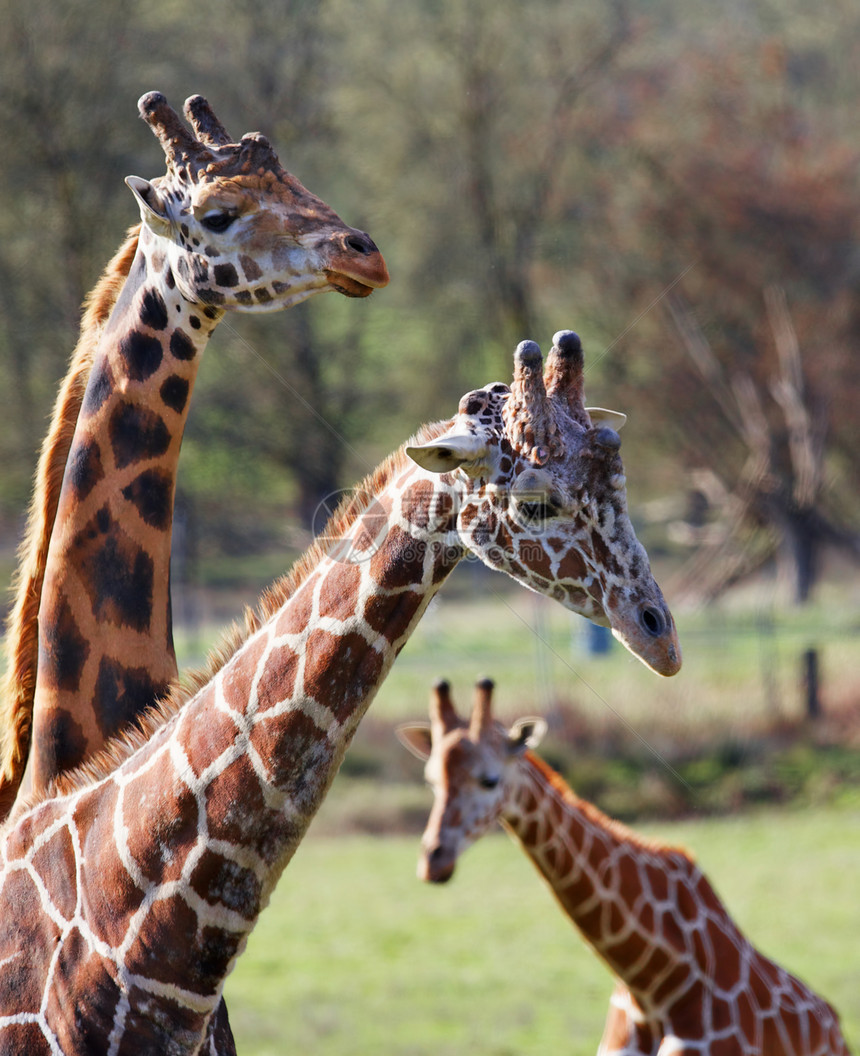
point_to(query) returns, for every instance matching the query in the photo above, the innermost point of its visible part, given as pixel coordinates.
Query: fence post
(810, 683)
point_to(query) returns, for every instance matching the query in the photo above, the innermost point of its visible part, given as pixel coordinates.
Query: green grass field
(355, 956)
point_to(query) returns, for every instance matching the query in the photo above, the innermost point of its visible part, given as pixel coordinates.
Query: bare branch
(788, 391)
(570, 89)
(702, 355)
(754, 427)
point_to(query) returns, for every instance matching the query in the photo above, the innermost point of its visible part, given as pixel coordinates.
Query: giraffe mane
(138, 732)
(617, 828)
(19, 682)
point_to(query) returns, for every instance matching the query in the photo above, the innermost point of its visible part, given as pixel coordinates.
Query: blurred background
(679, 184)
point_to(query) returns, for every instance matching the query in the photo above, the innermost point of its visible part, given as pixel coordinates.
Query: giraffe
(227, 228)
(688, 979)
(137, 879)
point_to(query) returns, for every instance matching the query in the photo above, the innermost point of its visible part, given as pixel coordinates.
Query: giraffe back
(19, 681)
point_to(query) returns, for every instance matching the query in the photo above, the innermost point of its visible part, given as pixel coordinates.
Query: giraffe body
(227, 228)
(689, 981)
(136, 884)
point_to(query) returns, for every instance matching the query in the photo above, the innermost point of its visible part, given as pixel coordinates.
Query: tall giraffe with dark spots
(227, 228)
(128, 895)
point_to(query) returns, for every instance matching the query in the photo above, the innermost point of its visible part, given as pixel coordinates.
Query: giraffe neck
(19, 680)
(293, 695)
(654, 918)
(176, 849)
(105, 635)
(625, 895)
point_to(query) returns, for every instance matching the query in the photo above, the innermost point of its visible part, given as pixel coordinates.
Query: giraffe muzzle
(650, 634)
(436, 865)
(356, 267)
(648, 630)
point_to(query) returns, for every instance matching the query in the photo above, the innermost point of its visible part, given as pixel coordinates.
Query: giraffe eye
(536, 512)
(488, 782)
(218, 222)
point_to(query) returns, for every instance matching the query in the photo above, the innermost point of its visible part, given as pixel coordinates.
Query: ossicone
(207, 126)
(482, 707)
(564, 373)
(443, 717)
(209, 145)
(529, 415)
(176, 141)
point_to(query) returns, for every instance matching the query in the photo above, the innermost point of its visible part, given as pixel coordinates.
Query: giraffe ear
(526, 733)
(415, 738)
(601, 416)
(450, 452)
(152, 211)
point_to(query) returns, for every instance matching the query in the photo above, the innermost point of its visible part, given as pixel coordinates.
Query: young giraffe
(129, 894)
(226, 229)
(689, 981)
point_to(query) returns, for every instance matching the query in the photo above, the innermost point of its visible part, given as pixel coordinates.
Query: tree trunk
(800, 549)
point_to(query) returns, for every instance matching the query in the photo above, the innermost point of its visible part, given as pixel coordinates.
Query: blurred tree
(780, 491)
(743, 186)
(65, 154)
(478, 117)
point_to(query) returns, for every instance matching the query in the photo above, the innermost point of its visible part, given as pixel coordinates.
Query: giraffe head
(238, 230)
(542, 497)
(468, 765)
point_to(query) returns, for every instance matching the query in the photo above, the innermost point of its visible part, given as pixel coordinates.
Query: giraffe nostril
(653, 621)
(361, 243)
